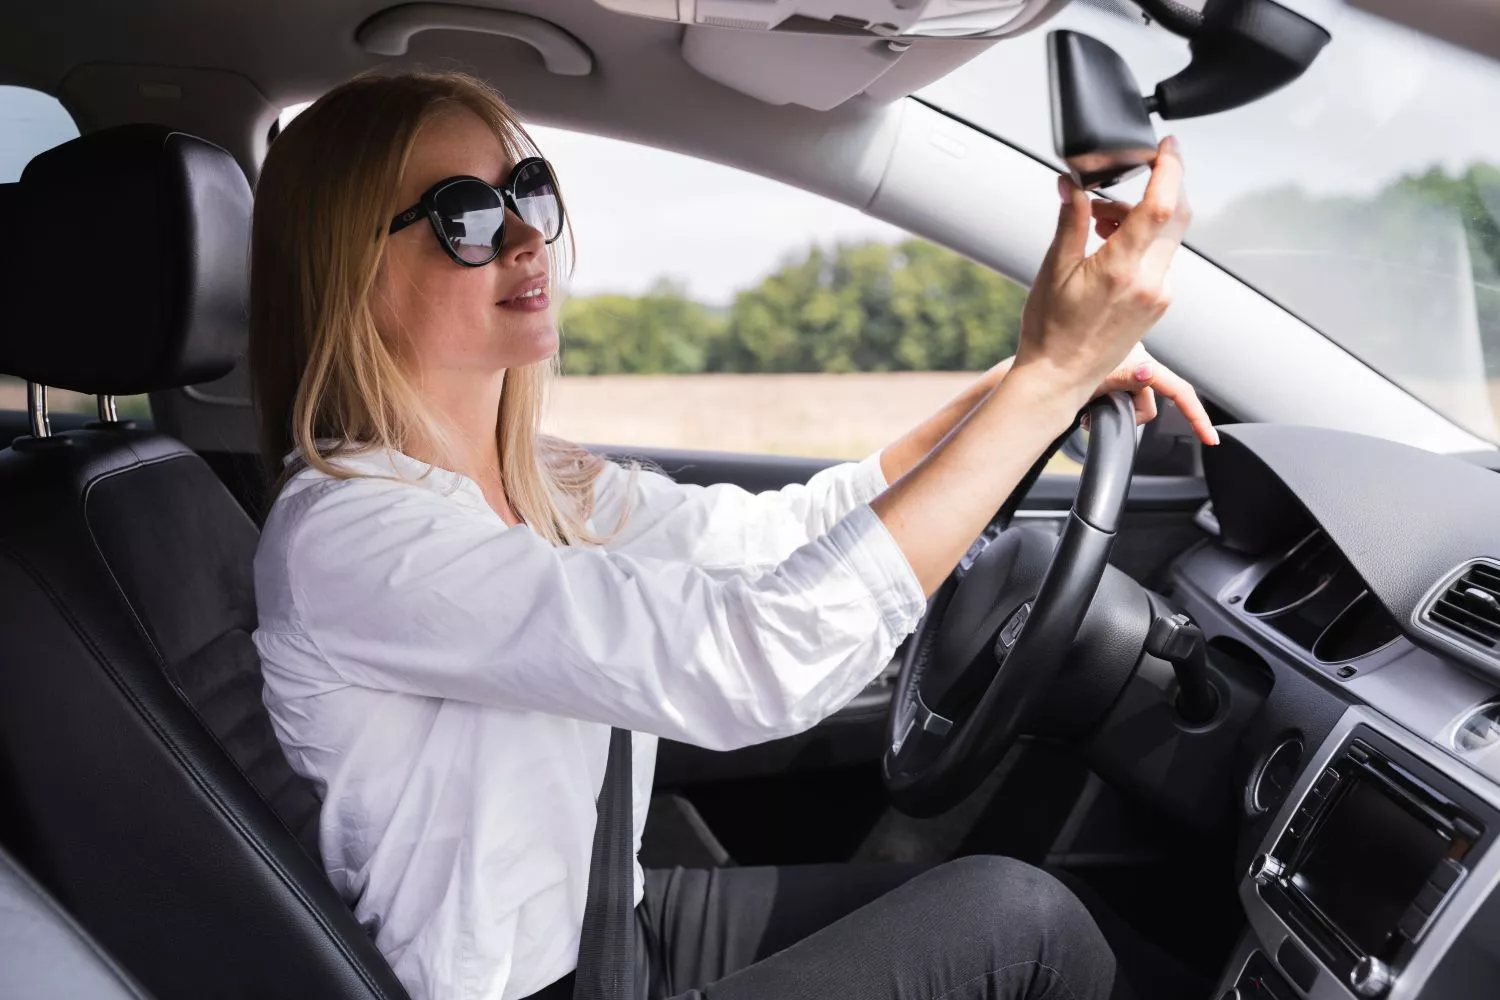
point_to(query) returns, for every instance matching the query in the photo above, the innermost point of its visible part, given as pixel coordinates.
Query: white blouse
(448, 682)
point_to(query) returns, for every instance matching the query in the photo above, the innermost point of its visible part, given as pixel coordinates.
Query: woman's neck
(467, 406)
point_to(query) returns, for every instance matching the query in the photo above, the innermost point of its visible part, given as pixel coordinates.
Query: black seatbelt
(606, 953)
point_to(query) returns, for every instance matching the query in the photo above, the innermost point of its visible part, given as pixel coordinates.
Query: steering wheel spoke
(1000, 626)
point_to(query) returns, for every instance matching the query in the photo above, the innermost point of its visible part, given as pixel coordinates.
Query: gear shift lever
(1177, 640)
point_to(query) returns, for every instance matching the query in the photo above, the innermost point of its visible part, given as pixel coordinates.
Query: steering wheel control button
(1266, 869)
(930, 721)
(1370, 977)
(1012, 630)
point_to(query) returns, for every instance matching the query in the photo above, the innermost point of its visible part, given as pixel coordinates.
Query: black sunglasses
(468, 214)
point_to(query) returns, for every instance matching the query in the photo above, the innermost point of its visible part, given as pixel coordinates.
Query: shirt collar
(372, 460)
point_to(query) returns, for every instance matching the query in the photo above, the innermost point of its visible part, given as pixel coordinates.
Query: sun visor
(821, 71)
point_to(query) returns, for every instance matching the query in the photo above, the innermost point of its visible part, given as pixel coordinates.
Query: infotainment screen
(1370, 859)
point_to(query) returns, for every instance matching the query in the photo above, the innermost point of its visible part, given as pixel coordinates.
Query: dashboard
(1350, 589)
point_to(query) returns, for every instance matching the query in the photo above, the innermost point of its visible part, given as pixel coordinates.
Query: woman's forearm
(935, 513)
(901, 455)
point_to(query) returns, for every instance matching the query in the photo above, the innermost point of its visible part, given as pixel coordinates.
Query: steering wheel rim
(932, 760)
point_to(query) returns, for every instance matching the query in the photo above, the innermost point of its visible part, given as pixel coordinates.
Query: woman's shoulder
(315, 510)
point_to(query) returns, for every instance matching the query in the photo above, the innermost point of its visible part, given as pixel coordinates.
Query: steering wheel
(1000, 626)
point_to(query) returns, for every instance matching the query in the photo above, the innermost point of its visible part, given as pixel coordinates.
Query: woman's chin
(532, 340)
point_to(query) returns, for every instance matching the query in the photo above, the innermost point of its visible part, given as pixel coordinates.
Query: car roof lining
(223, 69)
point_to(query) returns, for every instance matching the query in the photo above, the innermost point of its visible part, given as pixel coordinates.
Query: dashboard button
(1446, 875)
(1428, 899)
(1325, 783)
(1297, 965)
(1413, 922)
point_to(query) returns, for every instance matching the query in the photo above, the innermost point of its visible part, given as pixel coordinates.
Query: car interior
(1265, 749)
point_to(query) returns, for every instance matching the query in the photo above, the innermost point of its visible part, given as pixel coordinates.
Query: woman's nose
(522, 240)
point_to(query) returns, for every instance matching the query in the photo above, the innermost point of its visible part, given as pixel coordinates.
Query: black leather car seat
(140, 779)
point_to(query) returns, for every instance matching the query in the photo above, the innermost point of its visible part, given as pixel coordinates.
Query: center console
(1373, 866)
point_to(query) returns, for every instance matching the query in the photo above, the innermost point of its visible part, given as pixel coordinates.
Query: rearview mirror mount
(1242, 51)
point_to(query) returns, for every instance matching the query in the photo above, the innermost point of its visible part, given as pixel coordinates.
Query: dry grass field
(833, 416)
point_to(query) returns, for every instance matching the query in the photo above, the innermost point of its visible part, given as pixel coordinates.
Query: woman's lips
(529, 297)
(528, 302)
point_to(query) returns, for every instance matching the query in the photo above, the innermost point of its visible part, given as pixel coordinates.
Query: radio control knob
(1266, 868)
(1370, 977)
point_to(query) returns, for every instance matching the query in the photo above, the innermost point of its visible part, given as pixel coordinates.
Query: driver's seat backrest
(140, 779)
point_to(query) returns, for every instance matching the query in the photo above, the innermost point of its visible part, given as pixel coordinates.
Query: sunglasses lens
(473, 219)
(537, 200)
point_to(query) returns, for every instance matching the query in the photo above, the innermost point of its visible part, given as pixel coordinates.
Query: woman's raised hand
(1087, 311)
(1084, 316)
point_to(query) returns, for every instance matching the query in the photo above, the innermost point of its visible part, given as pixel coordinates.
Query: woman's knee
(1021, 898)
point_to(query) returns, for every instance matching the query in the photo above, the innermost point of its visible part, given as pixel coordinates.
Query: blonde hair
(325, 380)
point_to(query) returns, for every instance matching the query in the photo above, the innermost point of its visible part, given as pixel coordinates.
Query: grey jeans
(979, 928)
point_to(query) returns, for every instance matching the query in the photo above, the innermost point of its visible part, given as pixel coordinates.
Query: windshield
(1364, 197)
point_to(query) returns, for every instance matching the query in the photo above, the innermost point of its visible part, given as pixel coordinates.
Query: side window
(730, 312)
(31, 122)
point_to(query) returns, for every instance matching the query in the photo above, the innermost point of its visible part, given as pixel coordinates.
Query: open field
(834, 416)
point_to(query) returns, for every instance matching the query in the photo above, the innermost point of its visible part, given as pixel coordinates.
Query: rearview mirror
(1241, 50)
(1100, 126)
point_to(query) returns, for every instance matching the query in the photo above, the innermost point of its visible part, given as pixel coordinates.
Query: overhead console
(827, 52)
(907, 18)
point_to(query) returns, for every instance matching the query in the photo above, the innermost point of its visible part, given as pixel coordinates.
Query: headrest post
(36, 405)
(107, 412)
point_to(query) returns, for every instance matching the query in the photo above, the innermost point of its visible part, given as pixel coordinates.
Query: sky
(714, 228)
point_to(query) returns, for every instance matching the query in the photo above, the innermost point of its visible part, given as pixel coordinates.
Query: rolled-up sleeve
(403, 590)
(723, 524)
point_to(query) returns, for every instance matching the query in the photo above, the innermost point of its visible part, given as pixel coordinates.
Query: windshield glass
(1363, 197)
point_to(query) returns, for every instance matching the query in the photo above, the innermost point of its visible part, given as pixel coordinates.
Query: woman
(454, 609)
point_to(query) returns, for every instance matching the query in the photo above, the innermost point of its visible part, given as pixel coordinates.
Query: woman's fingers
(1112, 211)
(1178, 390)
(1160, 218)
(1072, 236)
(1145, 405)
(1143, 376)
(1107, 216)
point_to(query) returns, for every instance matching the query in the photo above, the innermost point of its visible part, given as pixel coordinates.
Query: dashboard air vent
(1313, 597)
(1469, 607)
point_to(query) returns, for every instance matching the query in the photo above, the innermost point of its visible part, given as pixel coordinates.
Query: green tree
(872, 307)
(662, 332)
(1374, 273)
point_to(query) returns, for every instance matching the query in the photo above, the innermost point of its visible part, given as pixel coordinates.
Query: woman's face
(441, 316)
